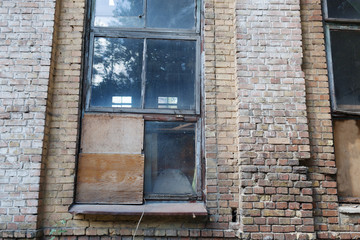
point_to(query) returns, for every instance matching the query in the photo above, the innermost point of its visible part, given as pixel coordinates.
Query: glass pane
(119, 13)
(170, 158)
(349, 9)
(116, 72)
(345, 50)
(170, 74)
(171, 14)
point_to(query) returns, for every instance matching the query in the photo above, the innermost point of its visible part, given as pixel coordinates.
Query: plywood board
(110, 178)
(105, 133)
(347, 154)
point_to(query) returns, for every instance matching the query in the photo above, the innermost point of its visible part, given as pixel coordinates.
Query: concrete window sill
(350, 209)
(190, 209)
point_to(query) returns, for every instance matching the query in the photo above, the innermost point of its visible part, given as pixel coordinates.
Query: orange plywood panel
(110, 178)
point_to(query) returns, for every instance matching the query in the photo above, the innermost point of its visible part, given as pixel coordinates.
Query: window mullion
(145, 13)
(143, 75)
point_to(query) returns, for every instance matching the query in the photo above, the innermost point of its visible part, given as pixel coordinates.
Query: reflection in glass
(170, 72)
(171, 14)
(170, 158)
(167, 102)
(122, 101)
(116, 71)
(349, 9)
(345, 51)
(119, 13)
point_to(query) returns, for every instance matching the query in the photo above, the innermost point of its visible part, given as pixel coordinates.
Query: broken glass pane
(171, 14)
(119, 13)
(345, 51)
(170, 158)
(116, 72)
(170, 73)
(349, 9)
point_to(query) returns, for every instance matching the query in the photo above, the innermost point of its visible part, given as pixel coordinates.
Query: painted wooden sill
(190, 209)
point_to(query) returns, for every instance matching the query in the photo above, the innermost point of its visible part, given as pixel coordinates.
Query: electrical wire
(141, 217)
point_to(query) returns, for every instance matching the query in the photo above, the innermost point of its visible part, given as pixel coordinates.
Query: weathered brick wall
(26, 30)
(317, 89)
(222, 185)
(329, 223)
(265, 90)
(276, 194)
(59, 166)
(220, 112)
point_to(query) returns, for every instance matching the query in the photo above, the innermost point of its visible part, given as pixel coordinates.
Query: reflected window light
(111, 3)
(122, 101)
(167, 102)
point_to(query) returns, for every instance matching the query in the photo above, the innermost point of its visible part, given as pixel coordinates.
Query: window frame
(156, 114)
(198, 164)
(338, 113)
(334, 106)
(141, 33)
(338, 20)
(336, 24)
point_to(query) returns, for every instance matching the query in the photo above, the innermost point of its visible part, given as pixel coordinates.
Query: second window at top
(144, 57)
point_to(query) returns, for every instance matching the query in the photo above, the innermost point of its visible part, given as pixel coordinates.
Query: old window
(342, 19)
(141, 122)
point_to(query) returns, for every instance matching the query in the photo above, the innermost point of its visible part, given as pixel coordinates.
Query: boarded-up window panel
(347, 153)
(105, 133)
(110, 178)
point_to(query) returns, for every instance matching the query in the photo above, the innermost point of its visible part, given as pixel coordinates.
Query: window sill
(190, 209)
(355, 209)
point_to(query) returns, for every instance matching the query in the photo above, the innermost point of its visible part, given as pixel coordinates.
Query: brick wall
(222, 186)
(220, 112)
(59, 166)
(276, 194)
(317, 89)
(268, 149)
(329, 222)
(26, 30)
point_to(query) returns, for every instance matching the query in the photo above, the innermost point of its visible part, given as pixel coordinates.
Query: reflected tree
(116, 71)
(128, 8)
(170, 72)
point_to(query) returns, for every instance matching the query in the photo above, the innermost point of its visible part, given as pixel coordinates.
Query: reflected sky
(171, 14)
(178, 14)
(118, 13)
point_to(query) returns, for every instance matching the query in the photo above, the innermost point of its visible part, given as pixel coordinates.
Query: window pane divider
(89, 71)
(147, 30)
(139, 110)
(101, 32)
(342, 20)
(145, 11)
(143, 75)
(330, 67)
